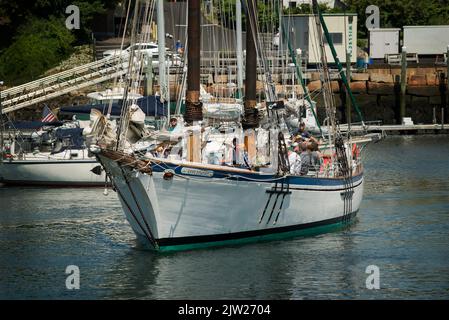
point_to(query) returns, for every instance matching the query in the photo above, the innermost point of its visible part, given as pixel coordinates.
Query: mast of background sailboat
(193, 105)
(251, 119)
(161, 50)
(238, 18)
(326, 82)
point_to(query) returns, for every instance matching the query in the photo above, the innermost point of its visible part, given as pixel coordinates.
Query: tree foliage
(39, 45)
(34, 37)
(267, 14)
(399, 13)
(14, 14)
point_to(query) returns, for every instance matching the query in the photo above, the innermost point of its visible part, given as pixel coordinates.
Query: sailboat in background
(53, 155)
(177, 196)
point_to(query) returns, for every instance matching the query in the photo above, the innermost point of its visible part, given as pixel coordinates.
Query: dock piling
(442, 118)
(403, 82)
(434, 118)
(447, 78)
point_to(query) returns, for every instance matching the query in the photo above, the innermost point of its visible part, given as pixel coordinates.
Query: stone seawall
(377, 93)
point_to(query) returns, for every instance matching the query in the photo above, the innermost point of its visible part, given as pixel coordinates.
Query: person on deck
(310, 159)
(294, 159)
(173, 125)
(179, 47)
(301, 134)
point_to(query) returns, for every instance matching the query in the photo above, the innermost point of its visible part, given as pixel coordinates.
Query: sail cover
(150, 105)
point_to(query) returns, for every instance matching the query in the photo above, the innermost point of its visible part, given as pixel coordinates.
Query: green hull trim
(312, 231)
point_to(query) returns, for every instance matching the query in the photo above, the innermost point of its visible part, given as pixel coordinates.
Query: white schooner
(211, 182)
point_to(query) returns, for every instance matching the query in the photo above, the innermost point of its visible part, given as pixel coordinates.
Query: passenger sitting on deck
(173, 124)
(310, 160)
(294, 159)
(301, 134)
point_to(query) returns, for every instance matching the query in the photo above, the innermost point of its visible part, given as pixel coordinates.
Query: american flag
(47, 115)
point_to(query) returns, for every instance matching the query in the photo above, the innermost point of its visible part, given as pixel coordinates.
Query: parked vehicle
(150, 47)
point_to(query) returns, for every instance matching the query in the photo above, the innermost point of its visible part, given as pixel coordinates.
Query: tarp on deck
(31, 125)
(150, 105)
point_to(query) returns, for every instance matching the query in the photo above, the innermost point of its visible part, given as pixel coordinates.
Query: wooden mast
(250, 120)
(194, 111)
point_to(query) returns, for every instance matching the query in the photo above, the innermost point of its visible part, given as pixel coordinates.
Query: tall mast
(336, 59)
(326, 81)
(194, 110)
(238, 18)
(161, 49)
(251, 119)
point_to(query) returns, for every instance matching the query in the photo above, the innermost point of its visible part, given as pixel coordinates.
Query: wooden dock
(415, 129)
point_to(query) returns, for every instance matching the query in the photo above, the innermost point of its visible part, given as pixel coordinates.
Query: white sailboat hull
(194, 210)
(54, 172)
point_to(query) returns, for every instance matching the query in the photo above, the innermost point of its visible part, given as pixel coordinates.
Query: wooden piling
(443, 93)
(2, 128)
(403, 82)
(397, 99)
(447, 77)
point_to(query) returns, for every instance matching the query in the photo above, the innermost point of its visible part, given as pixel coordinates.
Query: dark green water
(402, 227)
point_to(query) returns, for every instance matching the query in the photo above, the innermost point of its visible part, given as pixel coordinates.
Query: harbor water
(402, 229)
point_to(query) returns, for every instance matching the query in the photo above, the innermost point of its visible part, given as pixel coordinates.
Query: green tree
(38, 46)
(14, 14)
(399, 13)
(267, 14)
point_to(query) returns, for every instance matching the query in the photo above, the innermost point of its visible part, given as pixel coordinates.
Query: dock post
(2, 128)
(447, 77)
(434, 118)
(403, 82)
(443, 93)
(397, 99)
(348, 101)
(442, 118)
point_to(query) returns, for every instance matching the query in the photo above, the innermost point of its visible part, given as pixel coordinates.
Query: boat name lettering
(197, 172)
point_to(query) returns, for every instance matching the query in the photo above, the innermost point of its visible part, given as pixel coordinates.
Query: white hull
(51, 172)
(190, 210)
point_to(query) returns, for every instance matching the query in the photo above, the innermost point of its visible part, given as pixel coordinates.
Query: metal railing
(64, 82)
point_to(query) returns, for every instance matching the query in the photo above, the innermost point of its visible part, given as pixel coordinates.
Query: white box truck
(426, 40)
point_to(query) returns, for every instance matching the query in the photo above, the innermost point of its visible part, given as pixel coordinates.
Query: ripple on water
(402, 227)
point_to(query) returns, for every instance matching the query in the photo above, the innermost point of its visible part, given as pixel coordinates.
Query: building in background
(302, 33)
(383, 41)
(296, 3)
